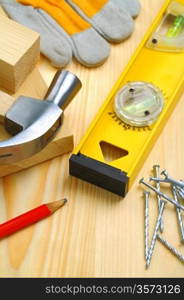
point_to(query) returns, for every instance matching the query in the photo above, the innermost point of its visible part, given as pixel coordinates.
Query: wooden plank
(30, 181)
(19, 53)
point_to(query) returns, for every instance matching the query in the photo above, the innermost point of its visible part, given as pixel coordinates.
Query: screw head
(165, 173)
(141, 180)
(146, 193)
(156, 166)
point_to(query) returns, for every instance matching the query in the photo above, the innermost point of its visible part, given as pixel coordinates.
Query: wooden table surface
(97, 234)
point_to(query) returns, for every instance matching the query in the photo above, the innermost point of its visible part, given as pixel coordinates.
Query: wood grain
(5, 103)
(19, 53)
(96, 234)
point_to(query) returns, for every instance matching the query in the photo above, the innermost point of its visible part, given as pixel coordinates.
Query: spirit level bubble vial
(137, 108)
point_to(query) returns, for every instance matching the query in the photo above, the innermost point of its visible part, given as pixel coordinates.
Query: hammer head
(32, 134)
(26, 111)
(34, 123)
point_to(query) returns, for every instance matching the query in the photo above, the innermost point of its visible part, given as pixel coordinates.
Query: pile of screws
(177, 188)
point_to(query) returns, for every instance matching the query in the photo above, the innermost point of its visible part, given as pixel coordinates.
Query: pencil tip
(57, 204)
(65, 200)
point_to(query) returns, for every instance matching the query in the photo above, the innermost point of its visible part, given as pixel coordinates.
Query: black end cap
(98, 173)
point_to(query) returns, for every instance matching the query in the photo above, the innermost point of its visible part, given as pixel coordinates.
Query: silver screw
(179, 190)
(150, 254)
(171, 248)
(156, 170)
(161, 194)
(146, 195)
(158, 180)
(178, 184)
(179, 216)
(172, 180)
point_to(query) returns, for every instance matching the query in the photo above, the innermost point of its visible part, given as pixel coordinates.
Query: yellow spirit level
(137, 108)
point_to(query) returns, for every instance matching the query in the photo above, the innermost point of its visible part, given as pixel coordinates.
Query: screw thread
(156, 171)
(171, 248)
(153, 242)
(146, 223)
(179, 216)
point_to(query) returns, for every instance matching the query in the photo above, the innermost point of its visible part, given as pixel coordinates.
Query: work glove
(75, 27)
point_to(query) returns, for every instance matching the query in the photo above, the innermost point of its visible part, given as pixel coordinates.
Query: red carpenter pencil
(30, 217)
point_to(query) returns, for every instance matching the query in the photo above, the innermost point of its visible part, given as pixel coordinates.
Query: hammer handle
(63, 88)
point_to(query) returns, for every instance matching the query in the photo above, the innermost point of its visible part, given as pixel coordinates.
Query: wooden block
(19, 53)
(5, 102)
(35, 87)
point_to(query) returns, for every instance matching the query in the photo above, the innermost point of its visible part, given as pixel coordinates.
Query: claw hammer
(34, 123)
